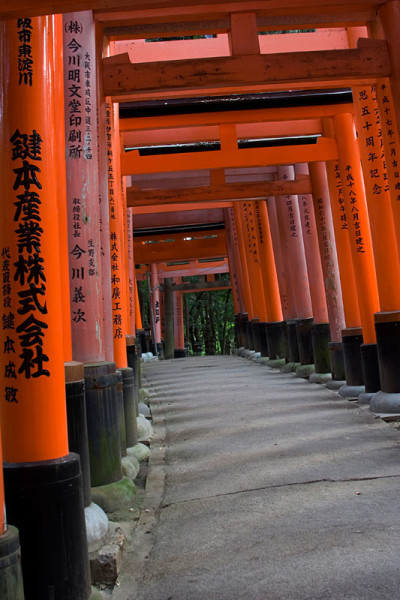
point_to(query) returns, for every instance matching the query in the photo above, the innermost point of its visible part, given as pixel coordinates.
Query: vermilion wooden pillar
(117, 252)
(179, 334)
(330, 266)
(359, 229)
(131, 272)
(299, 330)
(270, 282)
(84, 242)
(43, 483)
(156, 308)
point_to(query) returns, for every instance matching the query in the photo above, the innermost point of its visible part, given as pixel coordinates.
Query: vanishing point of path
(263, 486)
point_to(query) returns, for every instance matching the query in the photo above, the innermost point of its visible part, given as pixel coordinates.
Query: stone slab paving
(263, 486)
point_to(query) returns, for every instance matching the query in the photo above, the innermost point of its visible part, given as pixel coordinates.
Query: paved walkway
(263, 486)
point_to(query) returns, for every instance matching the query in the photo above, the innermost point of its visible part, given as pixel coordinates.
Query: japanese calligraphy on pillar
(82, 184)
(131, 287)
(260, 234)
(371, 140)
(249, 219)
(340, 198)
(306, 208)
(390, 135)
(115, 242)
(290, 210)
(352, 193)
(25, 58)
(24, 321)
(325, 235)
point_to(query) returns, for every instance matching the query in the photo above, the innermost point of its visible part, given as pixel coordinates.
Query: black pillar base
(262, 331)
(128, 382)
(336, 359)
(102, 422)
(242, 324)
(45, 501)
(369, 358)
(160, 350)
(320, 337)
(256, 334)
(304, 341)
(387, 401)
(180, 353)
(249, 336)
(352, 340)
(77, 423)
(291, 326)
(11, 585)
(275, 331)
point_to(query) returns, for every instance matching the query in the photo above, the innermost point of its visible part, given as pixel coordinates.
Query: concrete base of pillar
(11, 586)
(320, 378)
(365, 397)
(96, 526)
(276, 363)
(115, 496)
(256, 356)
(180, 353)
(385, 404)
(335, 384)
(263, 360)
(304, 371)
(290, 367)
(140, 451)
(248, 353)
(351, 392)
(130, 467)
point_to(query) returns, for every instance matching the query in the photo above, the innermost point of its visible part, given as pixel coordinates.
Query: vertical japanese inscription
(25, 58)
(25, 327)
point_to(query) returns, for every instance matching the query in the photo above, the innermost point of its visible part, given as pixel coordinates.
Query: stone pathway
(265, 487)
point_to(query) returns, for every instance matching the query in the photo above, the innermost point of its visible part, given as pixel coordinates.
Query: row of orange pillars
(69, 362)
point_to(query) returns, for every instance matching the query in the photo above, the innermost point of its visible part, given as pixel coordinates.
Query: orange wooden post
(155, 307)
(330, 268)
(249, 315)
(131, 271)
(60, 185)
(358, 222)
(389, 17)
(82, 187)
(138, 316)
(270, 281)
(234, 267)
(103, 198)
(118, 281)
(33, 411)
(179, 334)
(290, 229)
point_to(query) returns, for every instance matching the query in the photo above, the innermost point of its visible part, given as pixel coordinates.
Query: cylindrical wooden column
(84, 243)
(131, 271)
(169, 318)
(179, 334)
(155, 302)
(118, 271)
(358, 221)
(43, 483)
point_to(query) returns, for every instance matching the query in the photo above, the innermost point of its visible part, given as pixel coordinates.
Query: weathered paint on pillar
(103, 201)
(327, 249)
(32, 394)
(241, 267)
(246, 212)
(359, 229)
(290, 229)
(155, 302)
(179, 335)
(118, 274)
(60, 184)
(234, 268)
(138, 315)
(2, 501)
(80, 106)
(286, 292)
(266, 252)
(311, 248)
(341, 228)
(243, 261)
(131, 271)
(373, 162)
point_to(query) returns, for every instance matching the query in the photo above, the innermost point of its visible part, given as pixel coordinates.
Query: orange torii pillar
(246, 306)
(43, 481)
(320, 331)
(84, 242)
(156, 309)
(278, 345)
(274, 321)
(179, 330)
(299, 329)
(372, 150)
(360, 244)
(330, 266)
(235, 270)
(246, 228)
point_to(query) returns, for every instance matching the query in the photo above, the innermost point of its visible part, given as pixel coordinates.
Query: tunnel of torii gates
(133, 148)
